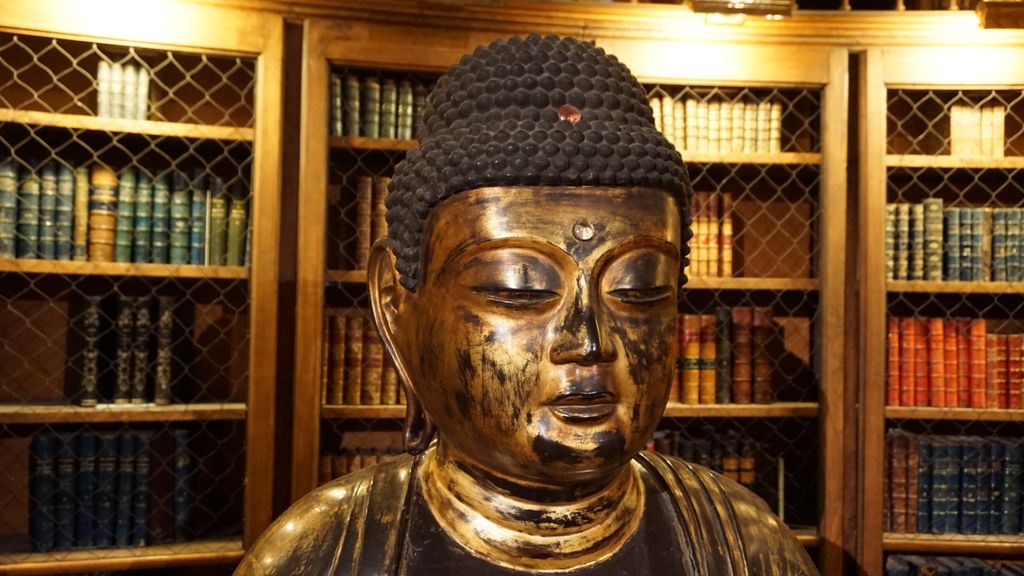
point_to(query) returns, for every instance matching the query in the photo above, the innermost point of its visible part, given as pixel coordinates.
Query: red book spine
(1015, 370)
(963, 363)
(920, 362)
(978, 363)
(892, 380)
(907, 362)
(936, 363)
(913, 461)
(952, 366)
(898, 481)
(1002, 387)
(991, 371)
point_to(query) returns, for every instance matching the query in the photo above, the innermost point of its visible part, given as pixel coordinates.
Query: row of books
(345, 462)
(731, 454)
(99, 490)
(370, 219)
(141, 349)
(726, 357)
(355, 370)
(953, 484)
(912, 565)
(929, 242)
(122, 91)
(977, 131)
(695, 125)
(711, 245)
(952, 363)
(60, 213)
(376, 107)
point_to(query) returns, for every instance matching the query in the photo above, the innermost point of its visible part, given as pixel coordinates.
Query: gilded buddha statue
(527, 292)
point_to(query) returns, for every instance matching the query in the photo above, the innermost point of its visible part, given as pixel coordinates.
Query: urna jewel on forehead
(529, 112)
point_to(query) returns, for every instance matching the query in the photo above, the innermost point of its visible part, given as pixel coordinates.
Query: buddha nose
(582, 336)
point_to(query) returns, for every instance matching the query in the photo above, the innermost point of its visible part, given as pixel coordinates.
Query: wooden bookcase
(215, 105)
(905, 155)
(806, 179)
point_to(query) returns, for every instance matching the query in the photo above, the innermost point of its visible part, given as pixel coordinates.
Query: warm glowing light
(717, 18)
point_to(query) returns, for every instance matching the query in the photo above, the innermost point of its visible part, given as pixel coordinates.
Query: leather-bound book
(725, 237)
(197, 220)
(185, 472)
(952, 244)
(902, 253)
(140, 489)
(373, 362)
(65, 499)
(351, 114)
(913, 460)
(85, 489)
(936, 448)
(691, 359)
(998, 452)
(325, 359)
(364, 220)
(999, 241)
(748, 462)
(921, 382)
(164, 350)
(80, 232)
(953, 478)
(708, 359)
(917, 241)
(353, 358)
(967, 243)
(970, 454)
(42, 490)
(1013, 486)
(936, 362)
(703, 126)
(933, 217)
(217, 241)
(991, 371)
(963, 361)
(1000, 389)
(679, 123)
(984, 525)
(65, 212)
(1014, 234)
(908, 334)
(140, 349)
(923, 520)
(713, 229)
(91, 323)
(723, 355)
(892, 362)
(389, 109)
(1014, 370)
(419, 104)
(123, 519)
(898, 444)
(742, 355)
(8, 209)
(389, 382)
(124, 325)
(731, 456)
(764, 387)
(951, 367)
(738, 115)
(123, 239)
(27, 229)
(106, 489)
(181, 213)
(714, 126)
(47, 245)
(161, 225)
(142, 226)
(405, 103)
(238, 226)
(775, 128)
(336, 105)
(336, 379)
(379, 222)
(370, 107)
(724, 127)
(978, 363)
(750, 127)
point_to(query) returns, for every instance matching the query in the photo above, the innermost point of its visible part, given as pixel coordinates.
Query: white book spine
(738, 111)
(750, 127)
(655, 103)
(103, 90)
(702, 126)
(714, 125)
(130, 91)
(668, 119)
(763, 126)
(679, 112)
(725, 128)
(775, 128)
(976, 119)
(142, 96)
(692, 124)
(116, 91)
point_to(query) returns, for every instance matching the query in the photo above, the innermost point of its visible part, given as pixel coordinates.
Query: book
(922, 383)
(102, 214)
(917, 242)
(763, 143)
(936, 347)
(140, 349)
(404, 112)
(908, 364)
(379, 211)
(65, 213)
(892, 364)
(336, 367)
(978, 363)
(967, 244)
(692, 124)
(738, 117)
(933, 241)
(924, 478)
(668, 119)
(197, 238)
(164, 351)
(351, 114)
(353, 375)
(129, 89)
(106, 489)
(714, 128)
(763, 385)
(90, 326)
(336, 106)
(708, 359)
(8, 209)
(984, 498)
(951, 366)
(1014, 371)
(982, 255)
(125, 479)
(679, 123)
(703, 142)
(1013, 244)
(373, 363)
(238, 228)
(723, 355)
(217, 243)
(142, 95)
(184, 487)
(142, 225)
(364, 218)
(370, 107)
(123, 239)
(952, 244)
(161, 224)
(998, 135)
(47, 246)
(181, 212)
(64, 500)
(742, 355)
(897, 444)
(139, 534)
(103, 89)
(42, 491)
(1013, 486)
(419, 104)
(116, 91)
(390, 389)
(85, 489)
(775, 128)
(902, 253)
(27, 230)
(999, 251)
(725, 127)
(691, 359)
(124, 326)
(712, 234)
(969, 486)
(750, 127)
(890, 241)
(963, 362)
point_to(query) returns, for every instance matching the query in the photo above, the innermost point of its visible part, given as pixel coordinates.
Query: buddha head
(528, 286)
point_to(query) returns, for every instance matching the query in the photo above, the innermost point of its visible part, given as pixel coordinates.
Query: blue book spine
(984, 488)
(28, 217)
(48, 213)
(42, 491)
(917, 242)
(8, 209)
(969, 487)
(142, 228)
(999, 234)
(933, 239)
(181, 210)
(197, 240)
(123, 520)
(184, 487)
(901, 255)
(161, 237)
(924, 485)
(890, 241)
(1013, 484)
(953, 492)
(106, 490)
(123, 240)
(64, 513)
(952, 248)
(85, 490)
(140, 496)
(998, 483)
(977, 244)
(65, 212)
(966, 243)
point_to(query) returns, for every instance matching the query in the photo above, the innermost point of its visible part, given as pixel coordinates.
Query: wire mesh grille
(954, 337)
(124, 301)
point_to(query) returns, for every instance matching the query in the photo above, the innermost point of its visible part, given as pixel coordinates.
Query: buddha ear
(389, 301)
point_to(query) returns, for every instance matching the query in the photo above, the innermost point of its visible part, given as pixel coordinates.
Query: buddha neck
(530, 528)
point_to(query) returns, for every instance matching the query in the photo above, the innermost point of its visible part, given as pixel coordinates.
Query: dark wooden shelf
(122, 126)
(67, 414)
(773, 410)
(336, 411)
(954, 287)
(811, 158)
(201, 553)
(930, 413)
(76, 268)
(955, 543)
(364, 143)
(946, 161)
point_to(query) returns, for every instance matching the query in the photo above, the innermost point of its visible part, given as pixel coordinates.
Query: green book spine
(125, 216)
(80, 235)
(28, 217)
(370, 108)
(419, 103)
(8, 209)
(890, 241)
(917, 242)
(198, 225)
(143, 224)
(336, 106)
(350, 106)
(952, 244)
(65, 212)
(404, 130)
(933, 239)
(161, 235)
(48, 213)
(181, 209)
(1013, 231)
(978, 261)
(902, 263)
(238, 224)
(999, 235)
(218, 240)
(389, 109)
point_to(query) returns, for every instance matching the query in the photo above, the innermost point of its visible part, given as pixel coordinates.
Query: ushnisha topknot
(529, 112)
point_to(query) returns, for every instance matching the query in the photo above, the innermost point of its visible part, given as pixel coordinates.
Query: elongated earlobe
(387, 297)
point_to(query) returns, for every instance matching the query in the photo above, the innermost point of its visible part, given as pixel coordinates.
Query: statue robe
(374, 523)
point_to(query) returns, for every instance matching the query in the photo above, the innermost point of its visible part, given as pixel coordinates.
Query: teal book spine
(999, 233)
(336, 106)
(65, 212)
(160, 243)
(142, 226)
(123, 240)
(970, 451)
(48, 213)
(217, 243)
(181, 210)
(902, 263)
(238, 227)
(998, 485)
(890, 241)
(984, 525)
(953, 466)
(370, 107)
(389, 109)
(1013, 486)
(8, 209)
(28, 217)
(977, 244)
(350, 106)
(952, 244)
(1013, 253)
(967, 243)
(917, 242)
(197, 237)
(405, 99)
(933, 239)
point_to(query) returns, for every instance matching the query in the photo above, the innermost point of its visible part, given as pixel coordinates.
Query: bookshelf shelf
(808, 536)
(968, 414)
(946, 161)
(943, 287)
(775, 410)
(346, 276)
(954, 543)
(364, 143)
(122, 126)
(64, 414)
(336, 411)
(74, 268)
(790, 158)
(204, 552)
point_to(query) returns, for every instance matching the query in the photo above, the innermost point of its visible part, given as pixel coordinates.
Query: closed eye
(642, 295)
(516, 296)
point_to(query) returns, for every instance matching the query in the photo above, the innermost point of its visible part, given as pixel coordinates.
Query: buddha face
(541, 340)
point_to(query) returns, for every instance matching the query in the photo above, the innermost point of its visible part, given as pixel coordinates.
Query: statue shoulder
(760, 541)
(325, 531)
